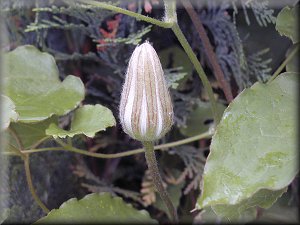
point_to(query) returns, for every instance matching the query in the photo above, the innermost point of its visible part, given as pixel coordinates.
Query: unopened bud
(146, 111)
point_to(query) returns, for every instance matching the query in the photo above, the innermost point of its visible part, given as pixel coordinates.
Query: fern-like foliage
(88, 20)
(194, 161)
(260, 8)
(94, 184)
(259, 66)
(229, 48)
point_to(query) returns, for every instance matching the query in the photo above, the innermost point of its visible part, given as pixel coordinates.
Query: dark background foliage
(244, 40)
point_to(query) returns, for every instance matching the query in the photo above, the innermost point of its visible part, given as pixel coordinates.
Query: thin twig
(66, 147)
(208, 50)
(180, 36)
(30, 185)
(284, 63)
(157, 181)
(138, 16)
(189, 51)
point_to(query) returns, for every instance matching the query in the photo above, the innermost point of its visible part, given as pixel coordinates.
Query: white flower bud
(146, 111)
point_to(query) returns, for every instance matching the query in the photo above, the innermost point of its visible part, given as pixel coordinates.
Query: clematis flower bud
(146, 111)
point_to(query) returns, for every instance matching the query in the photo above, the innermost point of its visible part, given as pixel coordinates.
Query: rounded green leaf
(32, 81)
(31, 133)
(286, 23)
(88, 120)
(255, 144)
(176, 57)
(8, 112)
(96, 208)
(199, 119)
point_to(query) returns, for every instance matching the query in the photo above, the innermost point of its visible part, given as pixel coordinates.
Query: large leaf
(32, 82)
(200, 119)
(242, 212)
(254, 146)
(88, 120)
(96, 208)
(32, 133)
(246, 210)
(286, 23)
(8, 112)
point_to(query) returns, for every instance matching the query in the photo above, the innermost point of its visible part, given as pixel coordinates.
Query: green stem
(189, 51)
(30, 185)
(157, 181)
(138, 16)
(117, 155)
(16, 137)
(170, 11)
(284, 63)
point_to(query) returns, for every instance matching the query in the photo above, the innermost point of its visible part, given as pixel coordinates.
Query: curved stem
(157, 181)
(170, 12)
(117, 155)
(30, 185)
(189, 51)
(138, 16)
(16, 137)
(284, 63)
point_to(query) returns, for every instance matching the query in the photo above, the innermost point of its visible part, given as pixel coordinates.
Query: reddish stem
(208, 50)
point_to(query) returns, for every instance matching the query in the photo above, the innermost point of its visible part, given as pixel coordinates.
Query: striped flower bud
(146, 111)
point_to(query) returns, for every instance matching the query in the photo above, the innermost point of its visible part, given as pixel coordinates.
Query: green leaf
(32, 133)
(246, 211)
(286, 23)
(282, 212)
(88, 120)
(96, 208)
(198, 120)
(32, 82)
(175, 57)
(8, 113)
(255, 144)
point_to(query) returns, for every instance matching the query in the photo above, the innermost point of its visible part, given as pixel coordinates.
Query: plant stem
(25, 158)
(16, 137)
(30, 185)
(284, 63)
(208, 50)
(138, 16)
(170, 12)
(117, 155)
(189, 51)
(157, 181)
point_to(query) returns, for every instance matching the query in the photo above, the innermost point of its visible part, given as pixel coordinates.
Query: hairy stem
(157, 181)
(189, 51)
(170, 12)
(208, 50)
(30, 185)
(66, 147)
(138, 16)
(284, 63)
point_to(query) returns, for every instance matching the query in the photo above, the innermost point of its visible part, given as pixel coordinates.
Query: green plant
(242, 171)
